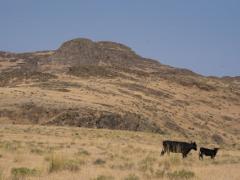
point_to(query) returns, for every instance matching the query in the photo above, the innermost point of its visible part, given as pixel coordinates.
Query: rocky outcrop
(107, 120)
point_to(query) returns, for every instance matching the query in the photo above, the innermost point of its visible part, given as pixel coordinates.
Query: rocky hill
(107, 85)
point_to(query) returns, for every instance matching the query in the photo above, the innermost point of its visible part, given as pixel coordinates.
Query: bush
(102, 177)
(99, 162)
(72, 165)
(124, 166)
(83, 152)
(182, 174)
(9, 146)
(20, 173)
(59, 163)
(56, 164)
(131, 177)
(217, 139)
(37, 151)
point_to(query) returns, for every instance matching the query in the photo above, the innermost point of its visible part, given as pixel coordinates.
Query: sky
(202, 35)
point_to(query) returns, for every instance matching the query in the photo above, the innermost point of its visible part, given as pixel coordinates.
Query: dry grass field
(50, 152)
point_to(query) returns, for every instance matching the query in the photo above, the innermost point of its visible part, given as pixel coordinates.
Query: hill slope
(107, 85)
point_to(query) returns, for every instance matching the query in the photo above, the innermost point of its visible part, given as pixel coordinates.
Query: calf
(208, 152)
(178, 147)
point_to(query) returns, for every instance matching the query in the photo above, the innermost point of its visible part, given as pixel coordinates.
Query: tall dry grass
(39, 152)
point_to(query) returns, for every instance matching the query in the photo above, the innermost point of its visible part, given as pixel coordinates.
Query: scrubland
(52, 152)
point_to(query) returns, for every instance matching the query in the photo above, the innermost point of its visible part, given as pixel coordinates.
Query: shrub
(83, 152)
(72, 165)
(99, 161)
(37, 151)
(102, 177)
(58, 163)
(182, 174)
(20, 173)
(124, 166)
(9, 146)
(217, 138)
(131, 177)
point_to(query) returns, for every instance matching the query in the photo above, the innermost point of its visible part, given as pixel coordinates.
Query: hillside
(107, 85)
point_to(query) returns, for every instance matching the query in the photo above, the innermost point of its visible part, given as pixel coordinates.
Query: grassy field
(41, 152)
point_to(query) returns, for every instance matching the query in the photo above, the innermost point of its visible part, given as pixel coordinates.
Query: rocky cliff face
(107, 85)
(87, 52)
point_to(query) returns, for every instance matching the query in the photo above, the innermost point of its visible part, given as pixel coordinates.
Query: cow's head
(194, 145)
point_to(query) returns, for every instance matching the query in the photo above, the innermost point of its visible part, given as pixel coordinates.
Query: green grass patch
(10, 146)
(182, 174)
(23, 172)
(102, 177)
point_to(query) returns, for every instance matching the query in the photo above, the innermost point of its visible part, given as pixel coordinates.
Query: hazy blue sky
(202, 35)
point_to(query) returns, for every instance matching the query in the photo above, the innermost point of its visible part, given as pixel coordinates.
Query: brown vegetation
(50, 152)
(107, 85)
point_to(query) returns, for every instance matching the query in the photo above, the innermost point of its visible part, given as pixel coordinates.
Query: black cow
(208, 152)
(178, 147)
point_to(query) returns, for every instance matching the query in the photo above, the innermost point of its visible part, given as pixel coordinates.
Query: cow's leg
(185, 152)
(163, 152)
(201, 156)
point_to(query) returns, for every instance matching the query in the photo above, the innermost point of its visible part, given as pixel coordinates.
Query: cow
(178, 147)
(208, 152)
